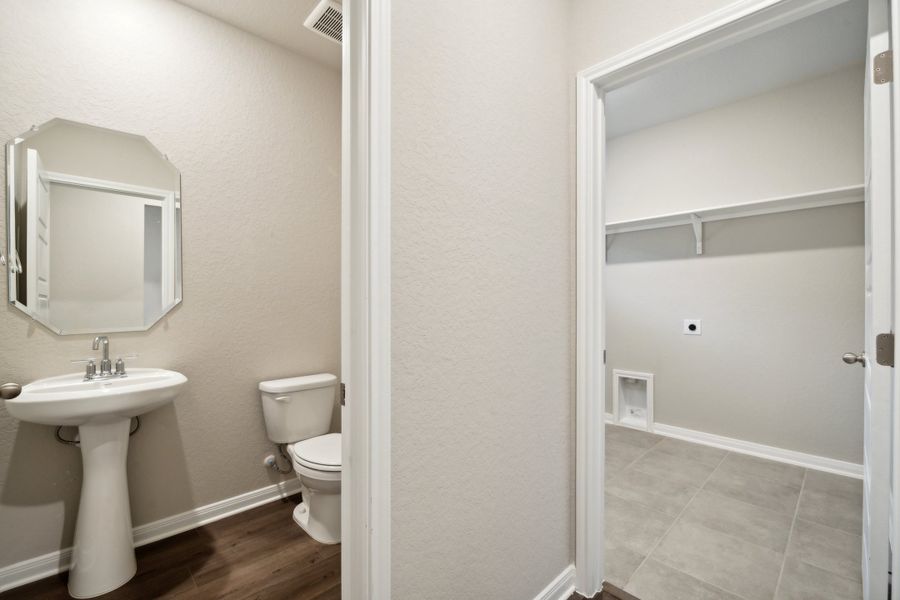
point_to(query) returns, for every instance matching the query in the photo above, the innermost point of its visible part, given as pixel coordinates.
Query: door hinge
(343, 394)
(884, 349)
(883, 68)
(604, 357)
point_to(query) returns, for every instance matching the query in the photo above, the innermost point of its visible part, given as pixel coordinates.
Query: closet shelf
(696, 218)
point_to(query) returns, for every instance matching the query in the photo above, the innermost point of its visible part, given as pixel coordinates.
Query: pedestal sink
(103, 553)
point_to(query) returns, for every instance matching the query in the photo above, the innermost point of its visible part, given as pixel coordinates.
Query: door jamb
(729, 25)
(366, 301)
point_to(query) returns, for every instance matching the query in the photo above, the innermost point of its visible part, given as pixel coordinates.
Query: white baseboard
(560, 588)
(791, 457)
(50, 564)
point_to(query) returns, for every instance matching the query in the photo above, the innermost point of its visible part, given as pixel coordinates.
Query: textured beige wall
(255, 131)
(601, 29)
(482, 413)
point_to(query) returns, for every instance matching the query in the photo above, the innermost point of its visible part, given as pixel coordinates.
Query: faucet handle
(90, 369)
(120, 363)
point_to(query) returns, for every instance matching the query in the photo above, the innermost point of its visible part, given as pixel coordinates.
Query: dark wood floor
(258, 554)
(610, 592)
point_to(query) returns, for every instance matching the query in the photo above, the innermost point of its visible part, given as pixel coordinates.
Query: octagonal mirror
(93, 229)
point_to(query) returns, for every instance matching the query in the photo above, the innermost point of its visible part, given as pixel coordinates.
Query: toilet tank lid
(295, 384)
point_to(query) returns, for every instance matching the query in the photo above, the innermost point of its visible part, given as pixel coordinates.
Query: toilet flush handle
(282, 398)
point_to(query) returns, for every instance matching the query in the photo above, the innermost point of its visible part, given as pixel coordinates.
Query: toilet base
(315, 530)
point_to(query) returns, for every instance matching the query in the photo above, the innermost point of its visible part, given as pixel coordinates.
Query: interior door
(879, 313)
(38, 273)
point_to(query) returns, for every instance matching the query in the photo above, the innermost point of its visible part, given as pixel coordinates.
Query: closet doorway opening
(735, 234)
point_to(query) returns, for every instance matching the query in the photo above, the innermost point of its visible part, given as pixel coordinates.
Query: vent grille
(327, 20)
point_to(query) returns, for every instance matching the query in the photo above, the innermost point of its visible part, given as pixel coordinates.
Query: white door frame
(366, 302)
(895, 397)
(729, 25)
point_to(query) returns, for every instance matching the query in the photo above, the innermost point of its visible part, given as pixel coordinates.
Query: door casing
(366, 301)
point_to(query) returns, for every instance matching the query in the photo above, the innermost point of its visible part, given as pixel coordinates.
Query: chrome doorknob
(852, 357)
(8, 391)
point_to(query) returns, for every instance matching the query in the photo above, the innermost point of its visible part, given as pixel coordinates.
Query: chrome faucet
(106, 371)
(105, 364)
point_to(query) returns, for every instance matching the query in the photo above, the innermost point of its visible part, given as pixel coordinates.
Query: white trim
(52, 563)
(380, 299)
(728, 25)
(894, 516)
(118, 187)
(590, 374)
(561, 588)
(791, 457)
(818, 199)
(366, 302)
(733, 23)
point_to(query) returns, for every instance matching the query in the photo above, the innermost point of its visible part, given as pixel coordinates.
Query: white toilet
(298, 413)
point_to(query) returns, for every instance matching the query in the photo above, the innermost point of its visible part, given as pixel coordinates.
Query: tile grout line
(791, 534)
(745, 502)
(733, 536)
(641, 455)
(675, 521)
(703, 581)
(771, 481)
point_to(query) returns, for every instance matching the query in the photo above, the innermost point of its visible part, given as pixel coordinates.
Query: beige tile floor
(686, 521)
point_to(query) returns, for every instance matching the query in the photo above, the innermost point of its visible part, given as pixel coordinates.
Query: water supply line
(272, 462)
(62, 440)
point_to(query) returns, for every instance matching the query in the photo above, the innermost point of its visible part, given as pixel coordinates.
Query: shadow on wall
(44, 472)
(57, 483)
(783, 232)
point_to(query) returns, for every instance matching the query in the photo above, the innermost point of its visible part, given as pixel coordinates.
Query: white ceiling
(805, 49)
(278, 21)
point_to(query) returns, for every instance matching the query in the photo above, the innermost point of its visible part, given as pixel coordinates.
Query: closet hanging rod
(817, 199)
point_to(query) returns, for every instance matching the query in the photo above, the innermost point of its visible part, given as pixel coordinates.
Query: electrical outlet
(692, 327)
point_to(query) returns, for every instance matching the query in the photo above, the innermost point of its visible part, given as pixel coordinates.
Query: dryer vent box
(633, 399)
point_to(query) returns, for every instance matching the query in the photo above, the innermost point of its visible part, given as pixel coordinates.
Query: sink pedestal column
(103, 553)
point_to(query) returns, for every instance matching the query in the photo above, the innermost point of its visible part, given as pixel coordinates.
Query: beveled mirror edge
(11, 254)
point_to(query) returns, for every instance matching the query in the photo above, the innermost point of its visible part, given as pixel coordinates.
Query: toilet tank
(298, 408)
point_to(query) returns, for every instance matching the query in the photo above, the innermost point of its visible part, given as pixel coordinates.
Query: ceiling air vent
(327, 19)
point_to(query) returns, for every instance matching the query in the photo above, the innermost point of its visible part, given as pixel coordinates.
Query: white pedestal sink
(103, 553)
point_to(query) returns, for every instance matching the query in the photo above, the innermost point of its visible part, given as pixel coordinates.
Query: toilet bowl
(297, 412)
(317, 463)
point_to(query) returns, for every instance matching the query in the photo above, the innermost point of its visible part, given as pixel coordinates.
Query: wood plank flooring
(259, 554)
(609, 592)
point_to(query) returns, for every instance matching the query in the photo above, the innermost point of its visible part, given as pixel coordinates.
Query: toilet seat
(321, 453)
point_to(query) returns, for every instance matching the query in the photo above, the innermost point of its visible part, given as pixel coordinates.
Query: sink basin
(103, 551)
(69, 400)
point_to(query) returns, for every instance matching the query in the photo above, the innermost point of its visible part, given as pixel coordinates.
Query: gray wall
(781, 298)
(797, 139)
(255, 131)
(482, 409)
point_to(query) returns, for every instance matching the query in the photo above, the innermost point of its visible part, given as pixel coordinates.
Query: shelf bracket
(697, 224)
